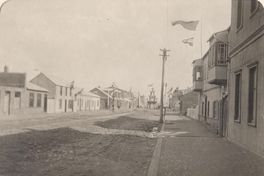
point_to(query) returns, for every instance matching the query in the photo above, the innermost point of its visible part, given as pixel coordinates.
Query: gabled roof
(88, 93)
(82, 91)
(102, 91)
(31, 86)
(57, 81)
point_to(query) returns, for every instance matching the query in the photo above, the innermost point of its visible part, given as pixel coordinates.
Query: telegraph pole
(164, 56)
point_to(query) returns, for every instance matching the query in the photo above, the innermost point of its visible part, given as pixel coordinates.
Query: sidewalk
(196, 151)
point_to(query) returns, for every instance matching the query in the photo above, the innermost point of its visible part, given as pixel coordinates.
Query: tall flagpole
(201, 37)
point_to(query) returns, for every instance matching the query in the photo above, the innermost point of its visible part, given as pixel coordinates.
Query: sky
(97, 42)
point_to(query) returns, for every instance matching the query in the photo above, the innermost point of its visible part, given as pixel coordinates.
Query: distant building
(105, 97)
(85, 100)
(174, 100)
(19, 97)
(142, 103)
(115, 98)
(121, 99)
(152, 100)
(60, 96)
(188, 100)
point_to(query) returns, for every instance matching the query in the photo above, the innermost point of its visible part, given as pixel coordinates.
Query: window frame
(241, 18)
(218, 48)
(39, 100)
(61, 90)
(254, 108)
(238, 119)
(31, 99)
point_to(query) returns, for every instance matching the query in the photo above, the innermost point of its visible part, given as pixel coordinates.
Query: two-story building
(245, 80)
(18, 97)
(60, 96)
(209, 79)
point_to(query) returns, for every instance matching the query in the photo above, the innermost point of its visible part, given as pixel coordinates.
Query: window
(238, 79)
(17, 100)
(239, 13)
(60, 103)
(61, 90)
(31, 100)
(39, 100)
(208, 109)
(66, 91)
(70, 91)
(254, 6)
(211, 58)
(221, 54)
(252, 96)
(202, 108)
(198, 75)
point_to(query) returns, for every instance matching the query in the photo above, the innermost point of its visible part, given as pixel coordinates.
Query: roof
(83, 92)
(90, 94)
(217, 33)
(104, 92)
(31, 86)
(12, 79)
(58, 81)
(77, 90)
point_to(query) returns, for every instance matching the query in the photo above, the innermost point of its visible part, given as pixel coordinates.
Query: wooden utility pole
(164, 59)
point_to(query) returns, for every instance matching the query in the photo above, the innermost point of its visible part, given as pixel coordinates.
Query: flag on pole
(188, 41)
(190, 25)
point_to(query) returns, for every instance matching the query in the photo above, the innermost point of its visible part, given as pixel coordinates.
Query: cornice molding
(244, 44)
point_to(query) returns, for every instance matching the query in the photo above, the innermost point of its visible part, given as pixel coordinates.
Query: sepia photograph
(131, 88)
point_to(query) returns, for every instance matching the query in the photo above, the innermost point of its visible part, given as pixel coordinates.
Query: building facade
(17, 97)
(174, 100)
(245, 80)
(210, 80)
(188, 100)
(60, 96)
(86, 101)
(105, 98)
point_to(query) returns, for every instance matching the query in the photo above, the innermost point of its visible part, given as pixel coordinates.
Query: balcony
(217, 75)
(197, 85)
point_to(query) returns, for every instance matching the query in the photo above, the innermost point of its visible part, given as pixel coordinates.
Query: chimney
(6, 69)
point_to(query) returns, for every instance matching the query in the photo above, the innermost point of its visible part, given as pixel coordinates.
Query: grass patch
(128, 123)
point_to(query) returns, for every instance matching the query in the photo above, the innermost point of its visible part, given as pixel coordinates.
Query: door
(65, 106)
(7, 103)
(45, 103)
(223, 116)
(205, 109)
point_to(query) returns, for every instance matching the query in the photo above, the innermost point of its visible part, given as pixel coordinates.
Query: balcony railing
(217, 75)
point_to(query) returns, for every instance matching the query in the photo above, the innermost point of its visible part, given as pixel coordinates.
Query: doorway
(7, 102)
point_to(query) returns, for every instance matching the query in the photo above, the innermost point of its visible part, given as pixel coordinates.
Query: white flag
(188, 41)
(190, 25)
